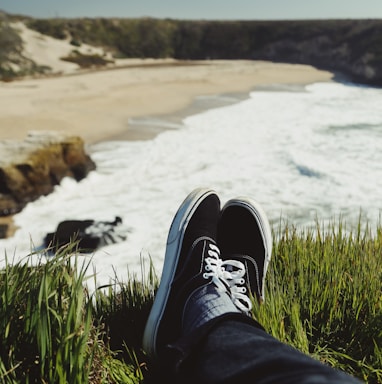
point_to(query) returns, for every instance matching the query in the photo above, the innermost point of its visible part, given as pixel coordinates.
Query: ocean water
(306, 154)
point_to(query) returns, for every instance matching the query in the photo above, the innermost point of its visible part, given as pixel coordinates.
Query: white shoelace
(228, 274)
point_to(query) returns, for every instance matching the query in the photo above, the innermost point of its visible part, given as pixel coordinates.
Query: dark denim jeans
(235, 349)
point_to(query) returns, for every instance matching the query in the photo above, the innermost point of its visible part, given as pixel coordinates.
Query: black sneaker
(191, 240)
(244, 235)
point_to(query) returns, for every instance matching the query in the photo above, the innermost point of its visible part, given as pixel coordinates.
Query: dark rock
(7, 227)
(3, 231)
(88, 235)
(31, 168)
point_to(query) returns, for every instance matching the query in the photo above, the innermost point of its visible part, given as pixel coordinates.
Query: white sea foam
(301, 154)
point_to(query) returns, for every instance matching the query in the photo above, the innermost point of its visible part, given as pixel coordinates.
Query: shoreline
(147, 127)
(99, 105)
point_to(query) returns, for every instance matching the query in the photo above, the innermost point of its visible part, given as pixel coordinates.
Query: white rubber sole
(173, 249)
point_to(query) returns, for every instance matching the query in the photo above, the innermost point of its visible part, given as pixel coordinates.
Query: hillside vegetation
(350, 47)
(12, 60)
(353, 47)
(323, 296)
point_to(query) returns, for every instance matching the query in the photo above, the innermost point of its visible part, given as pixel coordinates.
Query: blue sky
(198, 9)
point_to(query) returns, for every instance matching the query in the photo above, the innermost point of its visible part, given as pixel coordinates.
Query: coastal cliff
(351, 47)
(31, 168)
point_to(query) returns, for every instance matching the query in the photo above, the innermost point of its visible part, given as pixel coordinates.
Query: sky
(198, 9)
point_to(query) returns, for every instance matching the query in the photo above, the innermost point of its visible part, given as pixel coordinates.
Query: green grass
(323, 296)
(48, 330)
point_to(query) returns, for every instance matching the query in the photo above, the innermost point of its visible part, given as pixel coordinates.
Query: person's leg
(199, 328)
(238, 352)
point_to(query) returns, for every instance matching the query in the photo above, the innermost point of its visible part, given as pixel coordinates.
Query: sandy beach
(97, 105)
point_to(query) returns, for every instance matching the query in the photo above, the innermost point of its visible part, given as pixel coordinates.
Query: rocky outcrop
(31, 168)
(87, 234)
